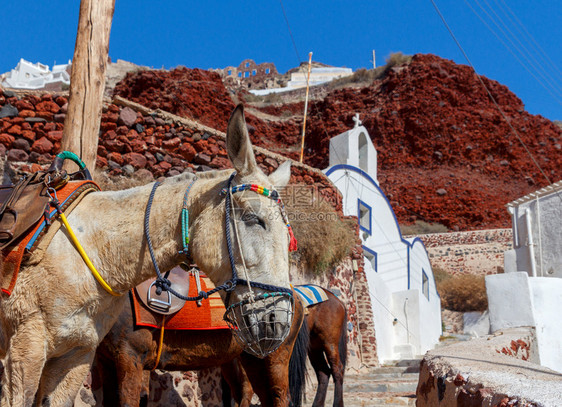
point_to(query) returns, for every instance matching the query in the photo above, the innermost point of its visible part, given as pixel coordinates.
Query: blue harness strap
(87, 186)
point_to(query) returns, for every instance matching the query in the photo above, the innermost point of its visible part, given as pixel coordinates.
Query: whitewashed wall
(537, 252)
(395, 272)
(516, 300)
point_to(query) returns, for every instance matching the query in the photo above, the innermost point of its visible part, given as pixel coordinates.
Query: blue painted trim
(409, 245)
(424, 274)
(375, 255)
(359, 203)
(408, 254)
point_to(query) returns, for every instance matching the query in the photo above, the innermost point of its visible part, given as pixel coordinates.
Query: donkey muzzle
(261, 323)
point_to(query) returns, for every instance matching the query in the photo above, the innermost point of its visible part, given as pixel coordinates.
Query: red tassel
(292, 240)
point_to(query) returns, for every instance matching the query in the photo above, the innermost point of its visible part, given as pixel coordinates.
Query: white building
(318, 76)
(530, 291)
(537, 233)
(406, 305)
(27, 75)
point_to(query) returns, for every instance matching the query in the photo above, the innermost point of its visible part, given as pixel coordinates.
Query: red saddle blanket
(69, 196)
(191, 317)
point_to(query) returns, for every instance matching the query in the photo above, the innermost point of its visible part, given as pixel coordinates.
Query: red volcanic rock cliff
(434, 128)
(193, 93)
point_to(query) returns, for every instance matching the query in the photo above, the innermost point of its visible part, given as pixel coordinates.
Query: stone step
(391, 375)
(389, 386)
(380, 386)
(370, 400)
(394, 369)
(412, 363)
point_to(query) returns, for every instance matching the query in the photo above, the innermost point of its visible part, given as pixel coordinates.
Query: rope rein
(244, 269)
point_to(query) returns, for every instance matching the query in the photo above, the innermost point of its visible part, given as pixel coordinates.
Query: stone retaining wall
(474, 252)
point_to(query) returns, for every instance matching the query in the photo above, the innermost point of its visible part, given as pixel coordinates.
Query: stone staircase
(391, 385)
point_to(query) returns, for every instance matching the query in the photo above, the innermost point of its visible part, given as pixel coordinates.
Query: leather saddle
(165, 303)
(22, 205)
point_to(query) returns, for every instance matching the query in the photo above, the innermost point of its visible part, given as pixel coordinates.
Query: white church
(405, 302)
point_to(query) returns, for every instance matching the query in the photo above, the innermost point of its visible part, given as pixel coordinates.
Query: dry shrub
(368, 76)
(440, 274)
(463, 293)
(285, 114)
(324, 239)
(421, 227)
(396, 59)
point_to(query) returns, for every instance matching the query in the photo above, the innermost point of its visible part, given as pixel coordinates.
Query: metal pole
(305, 105)
(374, 60)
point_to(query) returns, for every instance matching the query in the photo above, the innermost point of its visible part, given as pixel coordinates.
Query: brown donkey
(127, 351)
(326, 323)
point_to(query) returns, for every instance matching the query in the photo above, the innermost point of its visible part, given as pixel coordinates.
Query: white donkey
(57, 313)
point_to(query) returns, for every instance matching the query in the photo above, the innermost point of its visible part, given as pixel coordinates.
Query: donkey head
(260, 242)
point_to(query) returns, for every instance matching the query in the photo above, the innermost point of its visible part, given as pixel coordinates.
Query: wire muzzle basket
(261, 323)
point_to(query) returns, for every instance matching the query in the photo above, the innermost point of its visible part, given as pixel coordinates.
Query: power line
(489, 93)
(533, 41)
(511, 51)
(520, 48)
(290, 32)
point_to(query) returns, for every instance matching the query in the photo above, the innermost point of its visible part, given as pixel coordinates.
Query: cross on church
(356, 120)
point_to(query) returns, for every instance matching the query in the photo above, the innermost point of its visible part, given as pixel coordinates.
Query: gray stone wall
(474, 252)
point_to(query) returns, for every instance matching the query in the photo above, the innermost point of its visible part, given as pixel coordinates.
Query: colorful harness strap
(311, 294)
(273, 194)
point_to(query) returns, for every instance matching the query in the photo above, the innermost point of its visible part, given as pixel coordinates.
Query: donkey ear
(280, 177)
(238, 143)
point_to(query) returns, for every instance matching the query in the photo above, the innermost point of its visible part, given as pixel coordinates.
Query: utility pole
(87, 80)
(305, 105)
(374, 60)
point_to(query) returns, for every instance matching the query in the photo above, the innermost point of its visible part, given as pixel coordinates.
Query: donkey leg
(337, 369)
(318, 362)
(129, 367)
(240, 387)
(23, 365)
(269, 379)
(63, 377)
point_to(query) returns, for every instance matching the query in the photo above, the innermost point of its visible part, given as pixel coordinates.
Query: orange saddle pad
(191, 317)
(13, 255)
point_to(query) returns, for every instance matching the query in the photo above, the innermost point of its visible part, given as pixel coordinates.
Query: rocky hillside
(445, 153)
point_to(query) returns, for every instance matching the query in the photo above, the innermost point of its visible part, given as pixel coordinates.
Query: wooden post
(87, 80)
(305, 106)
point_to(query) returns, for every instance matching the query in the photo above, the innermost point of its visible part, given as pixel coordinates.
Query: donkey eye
(251, 219)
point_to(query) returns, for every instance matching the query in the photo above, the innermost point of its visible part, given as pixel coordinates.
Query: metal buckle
(156, 303)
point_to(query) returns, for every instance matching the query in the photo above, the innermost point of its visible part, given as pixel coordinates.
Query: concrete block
(405, 351)
(476, 323)
(509, 301)
(547, 298)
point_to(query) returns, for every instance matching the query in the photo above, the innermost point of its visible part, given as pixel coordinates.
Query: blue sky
(341, 33)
